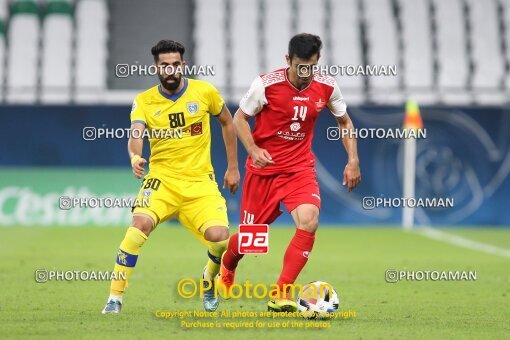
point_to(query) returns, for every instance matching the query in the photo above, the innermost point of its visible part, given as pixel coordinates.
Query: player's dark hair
(167, 46)
(304, 46)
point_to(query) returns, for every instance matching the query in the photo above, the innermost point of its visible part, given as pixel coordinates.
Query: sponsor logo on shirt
(289, 135)
(196, 129)
(303, 99)
(295, 126)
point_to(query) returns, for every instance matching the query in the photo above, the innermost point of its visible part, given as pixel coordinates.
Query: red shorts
(261, 197)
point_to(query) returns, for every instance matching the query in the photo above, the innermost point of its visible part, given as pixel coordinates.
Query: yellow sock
(127, 256)
(215, 250)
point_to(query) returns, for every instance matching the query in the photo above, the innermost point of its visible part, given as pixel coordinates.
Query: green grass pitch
(354, 261)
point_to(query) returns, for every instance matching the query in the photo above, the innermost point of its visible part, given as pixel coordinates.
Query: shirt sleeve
(216, 102)
(255, 99)
(336, 103)
(137, 112)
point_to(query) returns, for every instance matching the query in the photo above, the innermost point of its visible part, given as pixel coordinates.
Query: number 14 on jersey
(300, 112)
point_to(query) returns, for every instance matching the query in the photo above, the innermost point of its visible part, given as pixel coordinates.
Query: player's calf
(226, 277)
(127, 256)
(296, 256)
(217, 240)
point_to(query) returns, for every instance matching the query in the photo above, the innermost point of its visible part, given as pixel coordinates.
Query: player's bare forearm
(229, 137)
(259, 156)
(243, 130)
(349, 141)
(352, 173)
(135, 147)
(232, 176)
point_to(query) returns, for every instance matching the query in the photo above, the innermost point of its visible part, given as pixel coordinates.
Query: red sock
(296, 256)
(232, 256)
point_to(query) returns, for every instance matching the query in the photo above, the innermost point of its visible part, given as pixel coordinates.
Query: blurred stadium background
(58, 63)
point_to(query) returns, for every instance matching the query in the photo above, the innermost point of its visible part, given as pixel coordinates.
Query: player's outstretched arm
(352, 174)
(232, 176)
(135, 147)
(260, 157)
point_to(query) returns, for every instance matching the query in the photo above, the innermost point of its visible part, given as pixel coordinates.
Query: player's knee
(216, 234)
(309, 224)
(144, 224)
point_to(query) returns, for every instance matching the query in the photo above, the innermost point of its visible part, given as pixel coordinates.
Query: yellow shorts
(197, 205)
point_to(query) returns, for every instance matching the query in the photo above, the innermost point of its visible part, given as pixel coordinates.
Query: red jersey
(285, 118)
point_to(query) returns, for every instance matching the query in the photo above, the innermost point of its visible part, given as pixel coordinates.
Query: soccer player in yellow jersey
(181, 181)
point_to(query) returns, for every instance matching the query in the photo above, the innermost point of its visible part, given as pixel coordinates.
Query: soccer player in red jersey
(281, 166)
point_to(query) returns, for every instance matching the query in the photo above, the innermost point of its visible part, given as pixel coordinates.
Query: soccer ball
(317, 299)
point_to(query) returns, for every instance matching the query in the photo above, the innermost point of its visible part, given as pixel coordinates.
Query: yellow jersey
(178, 128)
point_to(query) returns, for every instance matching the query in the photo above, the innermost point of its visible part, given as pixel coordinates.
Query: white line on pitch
(462, 242)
